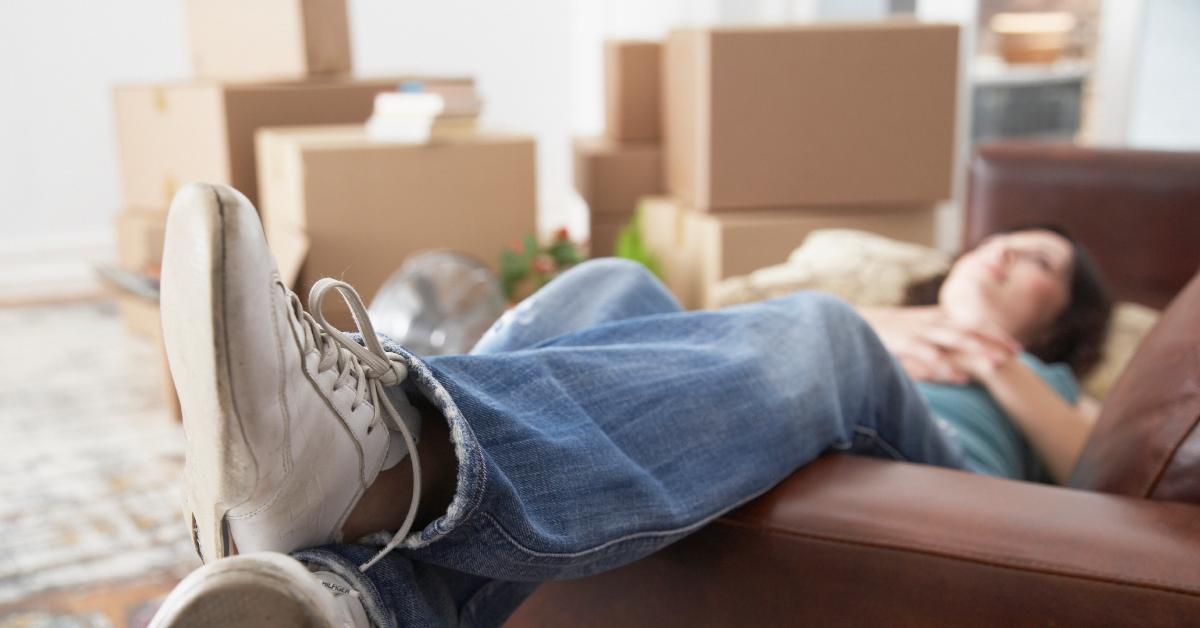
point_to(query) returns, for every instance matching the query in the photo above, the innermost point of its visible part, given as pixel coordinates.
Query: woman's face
(1018, 281)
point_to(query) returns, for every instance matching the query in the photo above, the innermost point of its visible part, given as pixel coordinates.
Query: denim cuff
(470, 483)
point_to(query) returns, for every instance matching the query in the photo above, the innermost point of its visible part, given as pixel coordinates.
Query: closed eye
(1042, 260)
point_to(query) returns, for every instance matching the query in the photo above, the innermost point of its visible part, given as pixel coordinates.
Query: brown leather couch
(853, 541)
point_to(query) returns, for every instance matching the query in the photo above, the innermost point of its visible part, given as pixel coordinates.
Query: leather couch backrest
(1146, 442)
(1136, 211)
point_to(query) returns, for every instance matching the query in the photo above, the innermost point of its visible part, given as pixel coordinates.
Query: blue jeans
(597, 422)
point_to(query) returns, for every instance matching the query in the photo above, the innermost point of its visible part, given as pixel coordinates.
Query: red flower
(562, 235)
(543, 264)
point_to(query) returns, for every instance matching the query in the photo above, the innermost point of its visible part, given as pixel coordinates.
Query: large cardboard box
(268, 39)
(140, 235)
(611, 177)
(367, 204)
(172, 134)
(811, 115)
(632, 88)
(698, 249)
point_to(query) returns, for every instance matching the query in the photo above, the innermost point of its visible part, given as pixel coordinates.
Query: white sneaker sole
(220, 469)
(250, 591)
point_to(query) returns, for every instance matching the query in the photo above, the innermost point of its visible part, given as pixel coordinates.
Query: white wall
(1165, 112)
(1118, 51)
(58, 58)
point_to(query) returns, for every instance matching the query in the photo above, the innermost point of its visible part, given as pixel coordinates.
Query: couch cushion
(1127, 328)
(1146, 442)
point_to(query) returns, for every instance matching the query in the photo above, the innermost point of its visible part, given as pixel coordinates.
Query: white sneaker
(260, 590)
(286, 419)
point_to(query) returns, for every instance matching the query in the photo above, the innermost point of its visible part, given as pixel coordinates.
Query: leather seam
(1166, 462)
(222, 214)
(972, 557)
(288, 463)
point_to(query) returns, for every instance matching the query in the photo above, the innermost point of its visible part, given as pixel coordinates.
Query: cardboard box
(367, 204)
(140, 235)
(173, 134)
(603, 230)
(632, 88)
(611, 177)
(268, 39)
(812, 115)
(698, 249)
(141, 317)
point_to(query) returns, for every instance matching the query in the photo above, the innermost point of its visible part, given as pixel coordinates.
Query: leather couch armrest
(857, 541)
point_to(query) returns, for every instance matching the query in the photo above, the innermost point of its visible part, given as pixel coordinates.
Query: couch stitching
(969, 556)
(1166, 463)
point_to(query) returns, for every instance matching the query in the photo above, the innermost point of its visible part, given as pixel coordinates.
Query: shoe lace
(370, 368)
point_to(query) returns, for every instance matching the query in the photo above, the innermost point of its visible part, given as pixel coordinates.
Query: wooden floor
(120, 604)
(89, 470)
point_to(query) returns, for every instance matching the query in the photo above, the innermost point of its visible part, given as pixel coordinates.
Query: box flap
(290, 247)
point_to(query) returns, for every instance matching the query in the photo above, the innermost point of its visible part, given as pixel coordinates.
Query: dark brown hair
(1077, 334)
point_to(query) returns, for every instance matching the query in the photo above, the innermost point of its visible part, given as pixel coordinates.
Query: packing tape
(160, 100)
(170, 187)
(679, 226)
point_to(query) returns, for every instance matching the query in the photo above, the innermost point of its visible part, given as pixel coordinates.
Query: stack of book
(419, 112)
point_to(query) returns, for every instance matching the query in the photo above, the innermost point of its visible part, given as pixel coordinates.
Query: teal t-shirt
(989, 439)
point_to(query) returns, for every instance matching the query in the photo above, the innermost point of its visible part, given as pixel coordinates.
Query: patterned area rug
(90, 461)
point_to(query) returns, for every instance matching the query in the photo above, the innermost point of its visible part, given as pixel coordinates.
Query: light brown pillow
(1130, 324)
(860, 267)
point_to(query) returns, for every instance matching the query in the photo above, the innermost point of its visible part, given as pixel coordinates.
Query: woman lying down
(340, 480)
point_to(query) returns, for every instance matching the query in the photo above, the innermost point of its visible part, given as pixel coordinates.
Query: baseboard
(53, 268)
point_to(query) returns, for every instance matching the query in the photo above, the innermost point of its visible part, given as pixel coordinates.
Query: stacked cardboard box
(614, 171)
(365, 204)
(268, 39)
(770, 133)
(278, 62)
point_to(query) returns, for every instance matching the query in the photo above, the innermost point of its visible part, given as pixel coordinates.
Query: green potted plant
(526, 266)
